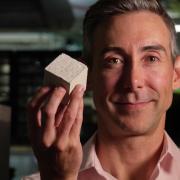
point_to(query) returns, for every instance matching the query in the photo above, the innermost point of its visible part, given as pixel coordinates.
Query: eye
(114, 60)
(152, 59)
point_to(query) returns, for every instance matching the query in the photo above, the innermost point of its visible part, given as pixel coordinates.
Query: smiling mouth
(130, 105)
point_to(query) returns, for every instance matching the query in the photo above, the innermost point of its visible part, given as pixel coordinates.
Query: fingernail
(60, 88)
(81, 88)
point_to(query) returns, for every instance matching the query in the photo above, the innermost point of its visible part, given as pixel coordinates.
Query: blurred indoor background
(33, 33)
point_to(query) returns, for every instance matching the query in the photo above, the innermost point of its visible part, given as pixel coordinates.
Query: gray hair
(104, 9)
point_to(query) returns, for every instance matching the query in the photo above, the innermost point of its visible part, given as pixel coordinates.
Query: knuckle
(56, 93)
(61, 146)
(73, 144)
(77, 96)
(48, 112)
(45, 143)
(59, 91)
(79, 118)
(69, 115)
(31, 105)
(42, 90)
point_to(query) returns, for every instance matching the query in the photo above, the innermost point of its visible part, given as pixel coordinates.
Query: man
(130, 48)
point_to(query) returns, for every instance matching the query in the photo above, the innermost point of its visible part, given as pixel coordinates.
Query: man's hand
(55, 132)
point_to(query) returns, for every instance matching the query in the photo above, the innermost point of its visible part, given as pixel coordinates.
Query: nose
(133, 77)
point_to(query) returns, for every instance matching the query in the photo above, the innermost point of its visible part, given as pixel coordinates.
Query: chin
(135, 124)
(128, 128)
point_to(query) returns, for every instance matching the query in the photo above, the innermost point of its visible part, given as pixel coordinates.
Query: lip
(129, 105)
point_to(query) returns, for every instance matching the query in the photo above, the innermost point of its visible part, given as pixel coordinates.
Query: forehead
(134, 28)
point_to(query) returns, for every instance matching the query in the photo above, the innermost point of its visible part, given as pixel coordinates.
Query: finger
(70, 115)
(60, 114)
(36, 100)
(34, 105)
(34, 114)
(72, 109)
(50, 110)
(76, 128)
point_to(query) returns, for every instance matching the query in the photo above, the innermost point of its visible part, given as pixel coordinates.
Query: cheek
(162, 80)
(106, 82)
(103, 86)
(162, 83)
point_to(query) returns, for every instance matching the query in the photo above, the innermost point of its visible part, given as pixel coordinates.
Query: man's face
(132, 74)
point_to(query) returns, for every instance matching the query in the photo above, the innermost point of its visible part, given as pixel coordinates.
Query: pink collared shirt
(168, 166)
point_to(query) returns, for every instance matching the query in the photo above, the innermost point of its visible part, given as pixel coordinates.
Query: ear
(176, 78)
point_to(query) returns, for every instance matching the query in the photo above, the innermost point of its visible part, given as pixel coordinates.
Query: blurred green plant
(177, 91)
(173, 5)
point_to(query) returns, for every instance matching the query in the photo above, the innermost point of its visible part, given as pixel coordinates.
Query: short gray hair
(104, 9)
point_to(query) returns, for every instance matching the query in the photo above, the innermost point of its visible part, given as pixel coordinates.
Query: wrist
(47, 173)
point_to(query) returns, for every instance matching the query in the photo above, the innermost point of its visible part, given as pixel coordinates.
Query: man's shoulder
(174, 152)
(172, 147)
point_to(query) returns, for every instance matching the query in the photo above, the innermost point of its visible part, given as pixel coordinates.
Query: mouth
(132, 106)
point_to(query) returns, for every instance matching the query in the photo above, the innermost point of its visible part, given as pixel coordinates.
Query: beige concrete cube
(65, 71)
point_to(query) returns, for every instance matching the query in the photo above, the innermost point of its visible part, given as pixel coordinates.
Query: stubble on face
(139, 108)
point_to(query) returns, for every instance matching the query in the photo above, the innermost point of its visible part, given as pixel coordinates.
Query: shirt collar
(90, 160)
(168, 156)
(169, 153)
(89, 154)
(171, 146)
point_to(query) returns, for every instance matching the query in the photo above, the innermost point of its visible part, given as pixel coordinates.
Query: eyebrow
(118, 50)
(156, 47)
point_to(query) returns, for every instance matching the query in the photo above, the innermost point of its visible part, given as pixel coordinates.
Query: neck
(132, 156)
